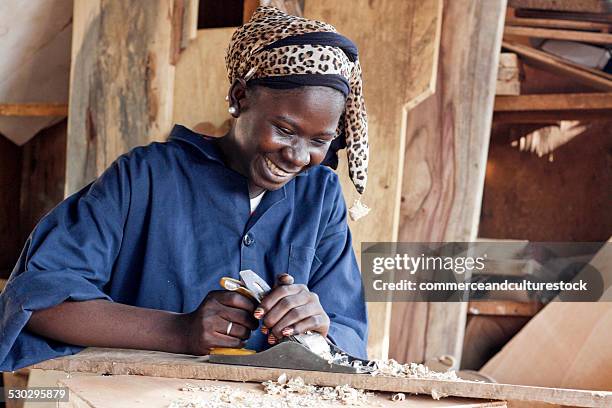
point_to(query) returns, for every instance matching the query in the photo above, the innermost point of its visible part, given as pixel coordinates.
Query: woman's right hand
(207, 326)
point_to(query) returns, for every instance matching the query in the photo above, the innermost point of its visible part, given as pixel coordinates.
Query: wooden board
(554, 23)
(34, 61)
(584, 6)
(398, 51)
(121, 82)
(42, 177)
(503, 308)
(508, 75)
(570, 35)
(156, 392)
(33, 109)
(201, 83)
(12, 380)
(540, 108)
(446, 150)
(158, 364)
(560, 66)
(556, 102)
(577, 338)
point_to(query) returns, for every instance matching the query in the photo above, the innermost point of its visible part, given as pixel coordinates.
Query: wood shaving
(398, 397)
(283, 393)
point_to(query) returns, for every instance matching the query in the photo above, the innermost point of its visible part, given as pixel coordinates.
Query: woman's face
(280, 133)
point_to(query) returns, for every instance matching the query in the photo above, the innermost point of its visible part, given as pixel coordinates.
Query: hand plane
(307, 351)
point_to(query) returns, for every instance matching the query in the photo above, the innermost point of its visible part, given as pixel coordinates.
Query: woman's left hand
(291, 309)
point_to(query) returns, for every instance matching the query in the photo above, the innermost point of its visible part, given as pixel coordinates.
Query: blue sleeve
(68, 256)
(337, 282)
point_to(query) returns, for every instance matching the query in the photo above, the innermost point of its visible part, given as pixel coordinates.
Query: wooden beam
(503, 308)
(446, 150)
(556, 34)
(553, 23)
(121, 82)
(190, 22)
(560, 66)
(550, 117)
(414, 27)
(556, 102)
(582, 6)
(158, 364)
(564, 15)
(131, 391)
(33, 109)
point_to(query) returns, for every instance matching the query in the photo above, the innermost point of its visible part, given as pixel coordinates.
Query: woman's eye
(285, 130)
(321, 142)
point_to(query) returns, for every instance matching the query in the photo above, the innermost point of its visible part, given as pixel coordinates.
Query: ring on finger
(229, 328)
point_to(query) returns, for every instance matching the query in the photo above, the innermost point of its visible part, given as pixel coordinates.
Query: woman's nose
(297, 154)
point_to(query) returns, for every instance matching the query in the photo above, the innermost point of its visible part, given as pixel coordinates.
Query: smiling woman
(134, 259)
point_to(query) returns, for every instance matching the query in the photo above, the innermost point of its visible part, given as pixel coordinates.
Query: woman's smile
(274, 172)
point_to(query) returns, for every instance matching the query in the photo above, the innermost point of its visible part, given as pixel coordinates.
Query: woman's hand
(208, 325)
(291, 309)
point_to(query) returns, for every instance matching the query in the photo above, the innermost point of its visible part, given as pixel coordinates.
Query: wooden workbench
(158, 364)
(157, 392)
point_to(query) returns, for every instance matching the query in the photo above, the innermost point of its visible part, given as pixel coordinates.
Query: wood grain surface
(158, 364)
(446, 148)
(398, 45)
(121, 82)
(156, 392)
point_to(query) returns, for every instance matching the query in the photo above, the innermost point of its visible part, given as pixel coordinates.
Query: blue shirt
(162, 225)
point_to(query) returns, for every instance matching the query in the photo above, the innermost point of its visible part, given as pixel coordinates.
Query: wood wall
(446, 149)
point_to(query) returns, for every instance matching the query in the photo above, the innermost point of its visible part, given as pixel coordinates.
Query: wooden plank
(554, 23)
(549, 116)
(556, 102)
(558, 34)
(559, 66)
(583, 6)
(503, 308)
(158, 364)
(156, 392)
(33, 109)
(585, 328)
(43, 173)
(190, 22)
(2, 284)
(564, 15)
(415, 26)
(508, 75)
(201, 83)
(446, 149)
(14, 380)
(121, 82)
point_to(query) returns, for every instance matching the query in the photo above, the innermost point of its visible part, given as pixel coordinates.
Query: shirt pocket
(302, 260)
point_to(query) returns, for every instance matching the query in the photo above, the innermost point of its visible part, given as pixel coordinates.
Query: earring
(232, 110)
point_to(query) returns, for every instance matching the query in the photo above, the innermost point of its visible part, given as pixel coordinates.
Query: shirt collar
(203, 143)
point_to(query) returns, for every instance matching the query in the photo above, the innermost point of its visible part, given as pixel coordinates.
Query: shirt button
(248, 240)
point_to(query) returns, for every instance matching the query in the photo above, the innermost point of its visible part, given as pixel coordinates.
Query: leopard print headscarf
(283, 51)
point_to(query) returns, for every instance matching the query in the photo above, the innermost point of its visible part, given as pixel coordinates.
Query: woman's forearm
(101, 323)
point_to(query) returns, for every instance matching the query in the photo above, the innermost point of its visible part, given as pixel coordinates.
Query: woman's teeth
(274, 169)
